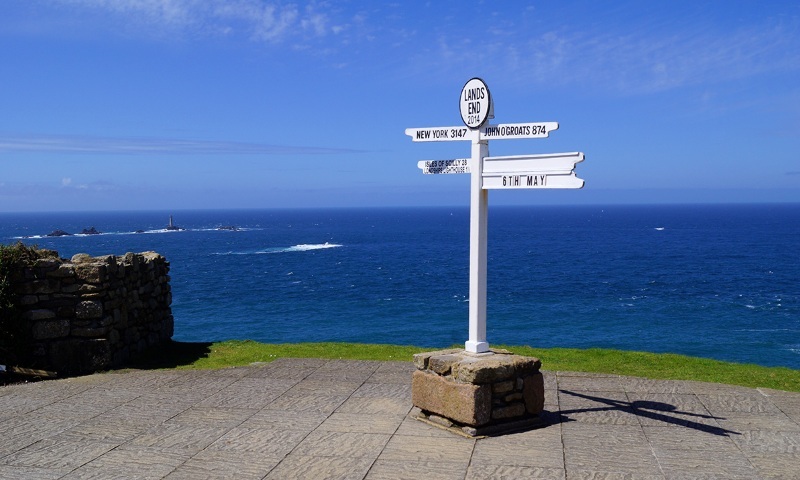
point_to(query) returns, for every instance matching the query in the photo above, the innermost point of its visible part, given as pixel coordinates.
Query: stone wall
(92, 313)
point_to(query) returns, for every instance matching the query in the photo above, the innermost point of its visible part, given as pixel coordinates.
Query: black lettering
(478, 93)
(536, 180)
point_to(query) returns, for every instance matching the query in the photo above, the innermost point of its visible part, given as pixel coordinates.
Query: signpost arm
(478, 227)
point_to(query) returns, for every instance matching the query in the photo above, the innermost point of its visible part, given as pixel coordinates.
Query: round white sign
(475, 103)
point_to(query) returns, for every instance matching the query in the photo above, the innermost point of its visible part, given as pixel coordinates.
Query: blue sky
(180, 104)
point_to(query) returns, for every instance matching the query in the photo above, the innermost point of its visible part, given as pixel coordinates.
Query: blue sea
(717, 281)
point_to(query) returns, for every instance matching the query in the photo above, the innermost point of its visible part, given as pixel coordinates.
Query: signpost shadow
(646, 409)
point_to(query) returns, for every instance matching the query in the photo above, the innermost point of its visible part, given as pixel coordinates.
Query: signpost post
(522, 171)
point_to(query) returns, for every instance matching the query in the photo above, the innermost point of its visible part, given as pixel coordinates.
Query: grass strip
(664, 366)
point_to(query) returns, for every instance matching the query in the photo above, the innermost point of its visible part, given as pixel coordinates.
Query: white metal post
(478, 226)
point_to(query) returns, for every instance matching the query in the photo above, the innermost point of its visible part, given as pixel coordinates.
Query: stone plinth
(479, 394)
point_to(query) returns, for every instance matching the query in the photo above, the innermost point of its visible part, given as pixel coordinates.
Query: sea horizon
(667, 203)
(708, 280)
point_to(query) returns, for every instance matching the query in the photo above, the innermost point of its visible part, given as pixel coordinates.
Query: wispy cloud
(267, 21)
(643, 58)
(66, 186)
(148, 146)
(635, 55)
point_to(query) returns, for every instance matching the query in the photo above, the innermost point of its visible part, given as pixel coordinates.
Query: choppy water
(718, 281)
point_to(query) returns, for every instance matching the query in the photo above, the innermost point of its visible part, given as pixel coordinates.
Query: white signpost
(457, 165)
(555, 170)
(518, 130)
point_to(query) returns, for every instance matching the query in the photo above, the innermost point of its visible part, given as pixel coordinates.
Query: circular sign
(475, 103)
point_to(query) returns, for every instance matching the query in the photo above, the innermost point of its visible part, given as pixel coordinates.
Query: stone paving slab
(338, 419)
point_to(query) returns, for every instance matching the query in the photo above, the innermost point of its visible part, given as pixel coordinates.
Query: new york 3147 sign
(540, 171)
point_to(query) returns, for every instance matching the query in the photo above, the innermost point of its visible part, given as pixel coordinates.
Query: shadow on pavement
(170, 355)
(653, 410)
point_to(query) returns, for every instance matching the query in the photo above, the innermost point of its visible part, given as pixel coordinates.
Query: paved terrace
(316, 419)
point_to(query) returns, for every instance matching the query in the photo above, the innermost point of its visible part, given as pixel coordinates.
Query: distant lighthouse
(172, 226)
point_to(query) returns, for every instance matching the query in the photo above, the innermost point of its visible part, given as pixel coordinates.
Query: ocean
(716, 281)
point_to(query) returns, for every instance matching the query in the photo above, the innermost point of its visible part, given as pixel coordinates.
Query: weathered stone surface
(446, 384)
(107, 259)
(421, 359)
(441, 364)
(46, 329)
(464, 403)
(47, 264)
(511, 411)
(44, 287)
(533, 392)
(80, 355)
(495, 368)
(503, 387)
(63, 271)
(40, 314)
(88, 288)
(440, 420)
(71, 288)
(82, 258)
(91, 272)
(89, 331)
(28, 300)
(77, 310)
(514, 397)
(89, 309)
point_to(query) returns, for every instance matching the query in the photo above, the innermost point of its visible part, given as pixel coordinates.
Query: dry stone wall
(93, 313)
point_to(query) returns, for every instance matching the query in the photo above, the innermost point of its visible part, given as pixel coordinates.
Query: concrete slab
(399, 470)
(313, 418)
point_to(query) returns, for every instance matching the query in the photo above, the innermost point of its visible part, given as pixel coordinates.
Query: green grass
(640, 364)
